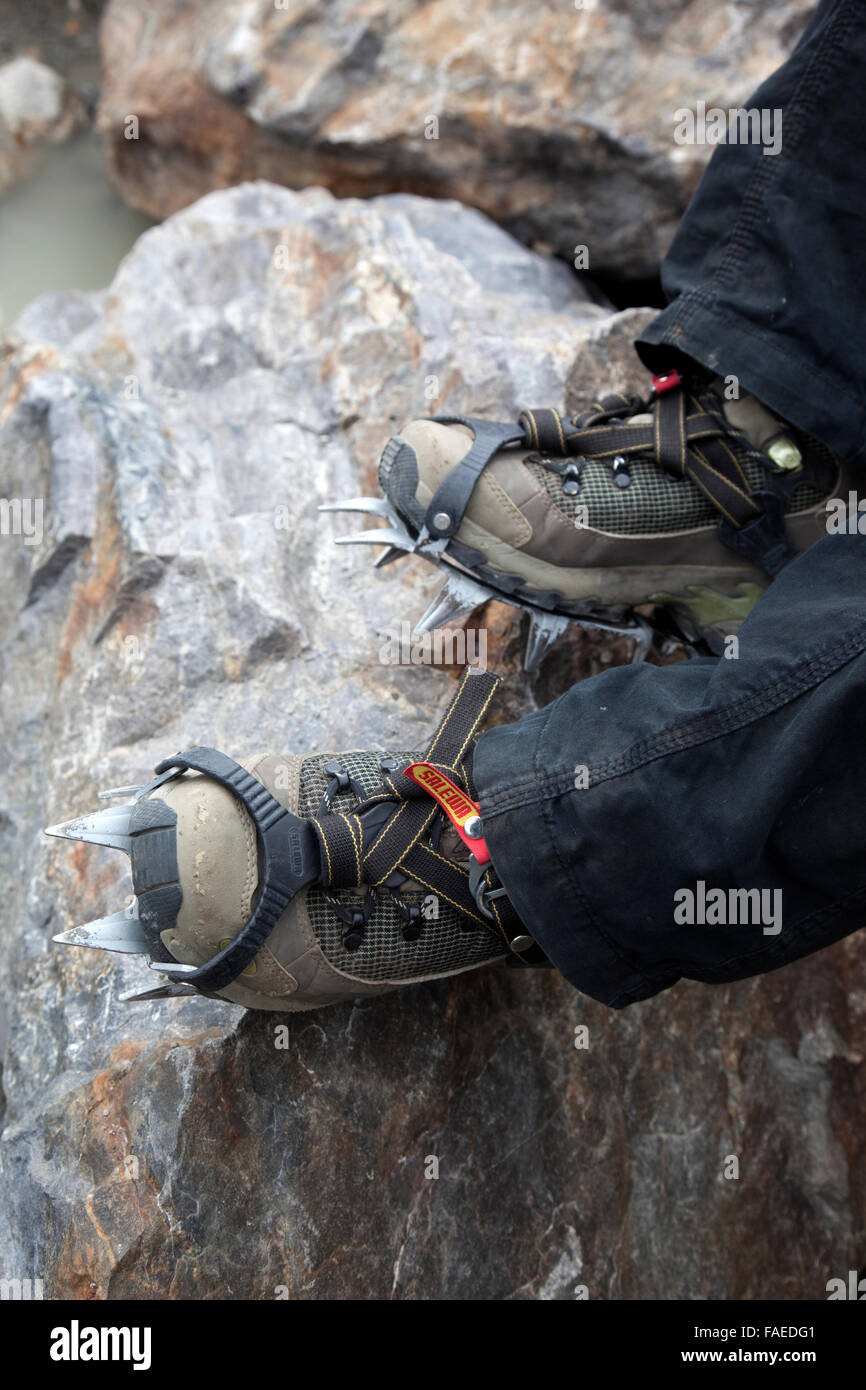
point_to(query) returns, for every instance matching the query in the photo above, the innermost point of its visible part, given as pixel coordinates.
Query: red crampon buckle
(666, 381)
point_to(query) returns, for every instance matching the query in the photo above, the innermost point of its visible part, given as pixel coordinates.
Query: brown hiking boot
(685, 499)
(292, 882)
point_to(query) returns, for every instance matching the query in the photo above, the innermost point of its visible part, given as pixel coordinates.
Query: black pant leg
(646, 781)
(767, 273)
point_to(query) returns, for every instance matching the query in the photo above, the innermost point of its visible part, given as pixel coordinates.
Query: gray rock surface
(557, 119)
(180, 430)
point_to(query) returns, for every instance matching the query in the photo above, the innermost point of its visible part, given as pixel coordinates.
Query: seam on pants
(591, 919)
(803, 102)
(659, 977)
(701, 728)
(694, 301)
(798, 931)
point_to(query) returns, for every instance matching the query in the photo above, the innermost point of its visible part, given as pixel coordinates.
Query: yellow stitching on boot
(745, 496)
(352, 829)
(324, 843)
(495, 910)
(695, 477)
(736, 462)
(464, 911)
(559, 431)
(411, 845)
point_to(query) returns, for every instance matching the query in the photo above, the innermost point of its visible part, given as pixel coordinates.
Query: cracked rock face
(248, 362)
(559, 123)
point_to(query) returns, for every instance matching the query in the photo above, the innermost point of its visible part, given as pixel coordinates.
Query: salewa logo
(76, 1343)
(714, 907)
(296, 853)
(450, 797)
(855, 1288)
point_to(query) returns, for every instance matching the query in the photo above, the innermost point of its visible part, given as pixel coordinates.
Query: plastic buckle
(479, 888)
(666, 381)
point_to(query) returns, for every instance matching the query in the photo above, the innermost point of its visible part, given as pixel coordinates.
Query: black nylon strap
(715, 471)
(544, 430)
(341, 838)
(443, 877)
(599, 440)
(455, 491)
(763, 542)
(670, 432)
(448, 747)
(290, 861)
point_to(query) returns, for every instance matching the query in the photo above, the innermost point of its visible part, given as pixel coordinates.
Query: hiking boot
(290, 882)
(683, 499)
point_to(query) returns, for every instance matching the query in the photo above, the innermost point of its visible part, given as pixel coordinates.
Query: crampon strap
(376, 846)
(684, 437)
(358, 851)
(290, 861)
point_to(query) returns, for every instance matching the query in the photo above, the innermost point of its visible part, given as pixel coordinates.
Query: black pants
(708, 820)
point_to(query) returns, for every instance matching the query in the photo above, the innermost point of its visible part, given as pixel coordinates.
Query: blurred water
(62, 227)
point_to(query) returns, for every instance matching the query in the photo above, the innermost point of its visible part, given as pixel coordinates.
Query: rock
(246, 364)
(559, 125)
(36, 106)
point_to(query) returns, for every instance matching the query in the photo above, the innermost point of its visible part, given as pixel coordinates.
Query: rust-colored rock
(557, 120)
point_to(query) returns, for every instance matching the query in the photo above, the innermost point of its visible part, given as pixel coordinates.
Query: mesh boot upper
(448, 942)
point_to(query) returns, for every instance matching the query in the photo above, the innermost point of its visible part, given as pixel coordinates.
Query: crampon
(684, 504)
(291, 882)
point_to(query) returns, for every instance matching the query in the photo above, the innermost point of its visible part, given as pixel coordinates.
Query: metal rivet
(571, 477)
(521, 943)
(442, 520)
(621, 477)
(473, 828)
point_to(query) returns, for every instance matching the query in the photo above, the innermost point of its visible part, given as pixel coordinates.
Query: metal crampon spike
(167, 991)
(109, 827)
(121, 931)
(544, 629)
(113, 793)
(171, 967)
(643, 640)
(382, 535)
(395, 536)
(458, 596)
(375, 506)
